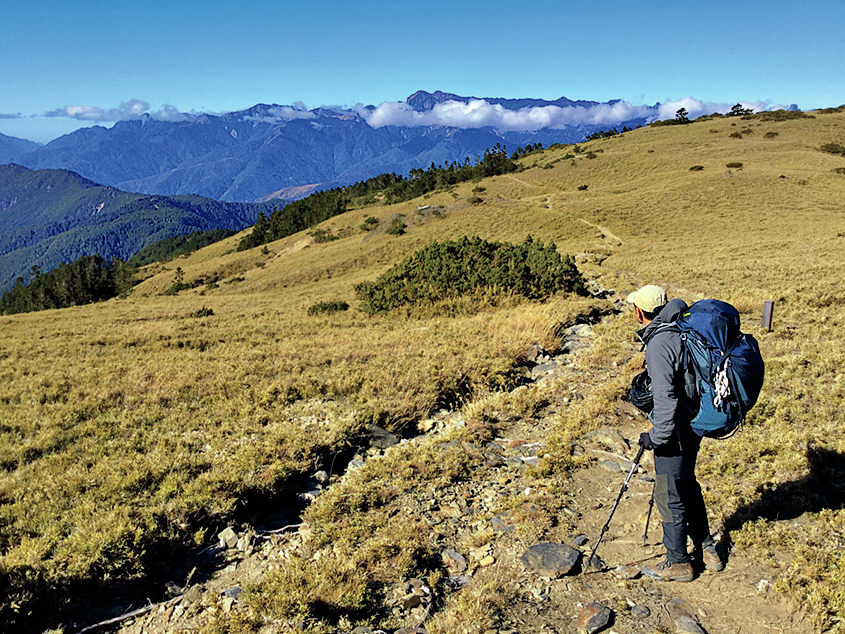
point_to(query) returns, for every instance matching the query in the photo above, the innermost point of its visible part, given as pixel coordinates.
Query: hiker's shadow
(823, 488)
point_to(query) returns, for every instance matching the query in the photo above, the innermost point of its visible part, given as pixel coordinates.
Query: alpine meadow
(134, 431)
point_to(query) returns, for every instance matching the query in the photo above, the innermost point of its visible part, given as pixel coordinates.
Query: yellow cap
(648, 298)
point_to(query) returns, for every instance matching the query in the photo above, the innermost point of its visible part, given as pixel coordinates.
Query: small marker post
(768, 310)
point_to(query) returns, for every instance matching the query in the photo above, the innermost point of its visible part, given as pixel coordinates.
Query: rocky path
(490, 528)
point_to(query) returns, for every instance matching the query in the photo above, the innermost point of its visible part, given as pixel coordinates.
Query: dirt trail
(605, 232)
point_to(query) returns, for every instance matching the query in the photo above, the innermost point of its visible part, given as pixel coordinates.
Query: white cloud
(132, 109)
(479, 113)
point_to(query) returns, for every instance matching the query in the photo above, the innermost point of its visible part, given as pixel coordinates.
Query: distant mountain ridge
(11, 147)
(252, 154)
(422, 101)
(52, 216)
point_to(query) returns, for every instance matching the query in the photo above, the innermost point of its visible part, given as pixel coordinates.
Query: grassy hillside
(137, 427)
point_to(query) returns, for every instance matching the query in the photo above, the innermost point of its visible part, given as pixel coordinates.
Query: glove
(645, 441)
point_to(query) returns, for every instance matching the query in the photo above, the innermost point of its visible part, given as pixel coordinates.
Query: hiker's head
(647, 303)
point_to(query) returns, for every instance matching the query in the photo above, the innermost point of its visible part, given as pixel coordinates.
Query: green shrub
(322, 308)
(397, 227)
(322, 235)
(833, 148)
(449, 270)
(771, 135)
(839, 170)
(734, 165)
(475, 200)
(736, 135)
(369, 224)
(203, 312)
(583, 188)
(478, 189)
(696, 168)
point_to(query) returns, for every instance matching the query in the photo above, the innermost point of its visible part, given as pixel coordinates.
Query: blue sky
(96, 61)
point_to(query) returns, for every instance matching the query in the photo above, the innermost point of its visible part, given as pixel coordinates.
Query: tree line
(84, 281)
(393, 188)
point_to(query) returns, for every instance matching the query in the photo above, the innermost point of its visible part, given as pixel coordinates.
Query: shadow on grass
(31, 603)
(822, 488)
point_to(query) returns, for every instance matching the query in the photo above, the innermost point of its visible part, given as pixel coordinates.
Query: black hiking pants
(678, 495)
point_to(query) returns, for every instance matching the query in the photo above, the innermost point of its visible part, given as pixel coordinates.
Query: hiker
(675, 444)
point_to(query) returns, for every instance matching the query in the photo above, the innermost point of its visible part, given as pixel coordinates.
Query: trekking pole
(648, 516)
(615, 504)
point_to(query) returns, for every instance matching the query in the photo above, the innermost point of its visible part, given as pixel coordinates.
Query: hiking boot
(712, 560)
(664, 571)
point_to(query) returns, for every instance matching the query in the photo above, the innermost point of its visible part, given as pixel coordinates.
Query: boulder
(594, 617)
(550, 559)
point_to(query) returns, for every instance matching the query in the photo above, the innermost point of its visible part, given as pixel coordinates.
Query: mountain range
(272, 151)
(52, 216)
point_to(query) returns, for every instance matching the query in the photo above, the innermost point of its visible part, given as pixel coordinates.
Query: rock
(534, 352)
(488, 561)
(545, 368)
(228, 602)
(362, 630)
(550, 559)
(580, 540)
(610, 465)
(228, 538)
(454, 561)
(410, 601)
(309, 496)
(595, 562)
(640, 611)
(232, 592)
(193, 595)
(381, 438)
(594, 618)
(688, 625)
(459, 581)
(626, 572)
(609, 438)
(322, 477)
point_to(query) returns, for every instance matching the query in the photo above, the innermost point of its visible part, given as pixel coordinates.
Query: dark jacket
(672, 386)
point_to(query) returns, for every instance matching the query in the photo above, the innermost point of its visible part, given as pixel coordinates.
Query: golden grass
(131, 422)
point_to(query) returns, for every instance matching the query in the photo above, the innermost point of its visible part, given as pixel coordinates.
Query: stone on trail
(228, 538)
(688, 625)
(640, 611)
(381, 438)
(550, 559)
(626, 572)
(609, 438)
(594, 618)
(454, 561)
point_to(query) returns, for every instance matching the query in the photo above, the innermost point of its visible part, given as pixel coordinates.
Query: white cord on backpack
(723, 387)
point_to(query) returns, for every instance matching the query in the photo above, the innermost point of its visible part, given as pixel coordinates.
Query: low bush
(397, 227)
(322, 308)
(696, 168)
(322, 235)
(472, 266)
(833, 148)
(203, 312)
(734, 165)
(369, 223)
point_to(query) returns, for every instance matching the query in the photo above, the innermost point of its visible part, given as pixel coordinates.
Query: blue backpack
(728, 367)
